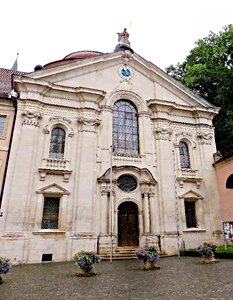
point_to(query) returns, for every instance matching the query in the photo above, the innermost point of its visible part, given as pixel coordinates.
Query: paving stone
(177, 279)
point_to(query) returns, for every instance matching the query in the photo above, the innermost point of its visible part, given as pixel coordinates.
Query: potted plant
(207, 250)
(5, 266)
(86, 260)
(149, 256)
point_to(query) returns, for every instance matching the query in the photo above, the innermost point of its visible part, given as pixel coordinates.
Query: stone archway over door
(127, 224)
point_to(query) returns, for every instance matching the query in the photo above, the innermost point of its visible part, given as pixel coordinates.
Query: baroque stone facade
(107, 147)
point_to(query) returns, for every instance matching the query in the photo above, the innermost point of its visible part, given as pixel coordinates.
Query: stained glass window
(50, 213)
(184, 155)
(190, 214)
(57, 143)
(125, 128)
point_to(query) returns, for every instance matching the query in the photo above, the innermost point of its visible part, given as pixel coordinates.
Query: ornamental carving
(163, 134)
(106, 189)
(31, 118)
(59, 119)
(204, 138)
(88, 124)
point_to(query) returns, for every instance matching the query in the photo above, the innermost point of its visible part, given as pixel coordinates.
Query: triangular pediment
(101, 74)
(53, 189)
(190, 195)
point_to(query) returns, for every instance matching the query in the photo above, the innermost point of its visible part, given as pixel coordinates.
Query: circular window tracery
(127, 183)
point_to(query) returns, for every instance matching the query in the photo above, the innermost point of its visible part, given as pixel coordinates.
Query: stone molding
(59, 120)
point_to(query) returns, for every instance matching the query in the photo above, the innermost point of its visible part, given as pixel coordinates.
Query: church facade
(108, 151)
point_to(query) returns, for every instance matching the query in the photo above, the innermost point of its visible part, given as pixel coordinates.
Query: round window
(127, 183)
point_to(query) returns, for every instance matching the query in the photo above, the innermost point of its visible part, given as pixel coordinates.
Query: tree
(208, 72)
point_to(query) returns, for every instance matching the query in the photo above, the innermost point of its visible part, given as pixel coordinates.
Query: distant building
(7, 115)
(64, 190)
(224, 172)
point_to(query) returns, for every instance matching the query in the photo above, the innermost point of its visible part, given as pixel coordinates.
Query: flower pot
(85, 273)
(208, 260)
(147, 265)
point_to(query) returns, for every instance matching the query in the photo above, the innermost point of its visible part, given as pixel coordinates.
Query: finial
(123, 37)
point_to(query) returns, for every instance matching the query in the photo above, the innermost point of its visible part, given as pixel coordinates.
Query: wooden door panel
(128, 224)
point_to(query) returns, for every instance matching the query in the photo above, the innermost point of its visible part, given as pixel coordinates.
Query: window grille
(184, 155)
(127, 183)
(190, 214)
(50, 213)
(57, 143)
(125, 128)
(2, 125)
(229, 183)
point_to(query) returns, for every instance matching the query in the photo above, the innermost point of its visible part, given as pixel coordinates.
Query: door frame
(138, 227)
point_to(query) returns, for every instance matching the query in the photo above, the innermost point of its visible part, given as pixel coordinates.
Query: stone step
(122, 253)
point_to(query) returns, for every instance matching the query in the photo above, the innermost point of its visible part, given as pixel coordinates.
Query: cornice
(30, 88)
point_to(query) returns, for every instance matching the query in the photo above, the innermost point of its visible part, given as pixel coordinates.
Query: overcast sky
(161, 31)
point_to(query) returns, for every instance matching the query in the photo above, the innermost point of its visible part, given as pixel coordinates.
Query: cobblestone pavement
(178, 278)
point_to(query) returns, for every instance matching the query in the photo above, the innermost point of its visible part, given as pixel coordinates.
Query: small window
(229, 183)
(184, 155)
(50, 213)
(190, 214)
(2, 125)
(47, 257)
(57, 143)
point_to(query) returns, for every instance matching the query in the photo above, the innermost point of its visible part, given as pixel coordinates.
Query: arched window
(229, 183)
(57, 143)
(125, 128)
(184, 155)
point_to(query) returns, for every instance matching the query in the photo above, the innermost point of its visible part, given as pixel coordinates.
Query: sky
(161, 31)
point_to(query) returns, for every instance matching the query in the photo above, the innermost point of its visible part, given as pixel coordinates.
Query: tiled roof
(6, 81)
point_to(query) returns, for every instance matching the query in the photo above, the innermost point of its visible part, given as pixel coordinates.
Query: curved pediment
(143, 175)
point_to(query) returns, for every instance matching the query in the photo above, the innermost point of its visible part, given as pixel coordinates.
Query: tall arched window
(57, 143)
(125, 128)
(184, 155)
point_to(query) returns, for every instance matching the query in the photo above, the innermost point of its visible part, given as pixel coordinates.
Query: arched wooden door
(127, 224)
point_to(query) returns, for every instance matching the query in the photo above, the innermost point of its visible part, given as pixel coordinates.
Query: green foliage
(221, 249)
(208, 72)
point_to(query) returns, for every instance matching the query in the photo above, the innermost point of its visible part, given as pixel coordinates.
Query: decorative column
(21, 170)
(154, 213)
(146, 212)
(104, 210)
(86, 178)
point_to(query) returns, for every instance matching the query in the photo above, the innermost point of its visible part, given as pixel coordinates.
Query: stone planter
(208, 260)
(82, 273)
(147, 265)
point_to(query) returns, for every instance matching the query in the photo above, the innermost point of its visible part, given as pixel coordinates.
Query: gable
(101, 73)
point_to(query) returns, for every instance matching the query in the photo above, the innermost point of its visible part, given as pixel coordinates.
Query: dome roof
(83, 54)
(72, 57)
